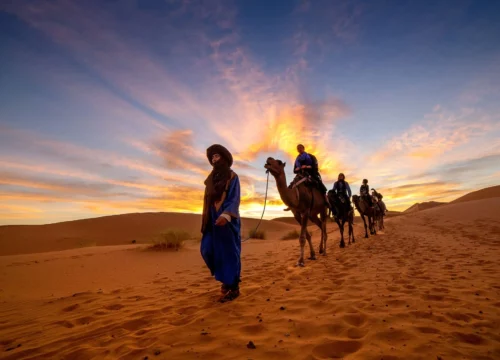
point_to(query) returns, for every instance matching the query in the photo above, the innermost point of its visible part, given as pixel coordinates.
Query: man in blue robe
(221, 226)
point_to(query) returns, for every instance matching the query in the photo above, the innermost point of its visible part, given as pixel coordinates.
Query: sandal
(224, 289)
(229, 296)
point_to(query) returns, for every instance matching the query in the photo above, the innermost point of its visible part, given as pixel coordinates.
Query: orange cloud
(399, 198)
(439, 133)
(292, 126)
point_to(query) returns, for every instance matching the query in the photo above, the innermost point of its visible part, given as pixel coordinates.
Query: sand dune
(487, 193)
(109, 230)
(423, 206)
(426, 288)
(286, 219)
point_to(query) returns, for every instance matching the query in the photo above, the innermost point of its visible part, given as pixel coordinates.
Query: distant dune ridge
(486, 193)
(143, 227)
(425, 288)
(423, 206)
(109, 230)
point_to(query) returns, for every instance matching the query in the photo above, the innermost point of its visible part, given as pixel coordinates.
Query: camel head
(275, 167)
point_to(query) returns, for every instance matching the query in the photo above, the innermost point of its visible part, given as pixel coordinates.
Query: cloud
(401, 197)
(176, 149)
(90, 160)
(477, 167)
(324, 26)
(301, 124)
(439, 133)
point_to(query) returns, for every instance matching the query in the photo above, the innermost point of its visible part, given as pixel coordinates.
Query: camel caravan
(308, 200)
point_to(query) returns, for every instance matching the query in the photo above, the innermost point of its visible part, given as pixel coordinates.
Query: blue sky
(107, 107)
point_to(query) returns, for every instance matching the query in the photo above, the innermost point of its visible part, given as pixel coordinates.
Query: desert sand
(428, 287)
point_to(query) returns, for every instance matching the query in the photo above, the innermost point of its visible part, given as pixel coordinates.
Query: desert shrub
(294, 234)
(257, 234)
(171, 239)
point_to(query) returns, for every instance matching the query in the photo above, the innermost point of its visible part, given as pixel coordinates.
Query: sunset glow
(108, 107)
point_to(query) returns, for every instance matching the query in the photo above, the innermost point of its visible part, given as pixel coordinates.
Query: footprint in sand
(431, 297)
(84, 320)
(428, 330)
(180, 290)
(458, 316)
(66, 324)
(356, 333)
(394, 336)
(134, 325)
(472, 339)
(167, 309)
(188, 310)
(71, 308)
(356, 320)
(336, 349)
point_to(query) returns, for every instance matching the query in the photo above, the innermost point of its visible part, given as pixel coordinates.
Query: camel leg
(309, 240)
(308, 236)
(324, 235)
(351, 233)
(364, 222)
(341, 229)
(302, 239)
(351, 227)
(373, 229)
(321, 224)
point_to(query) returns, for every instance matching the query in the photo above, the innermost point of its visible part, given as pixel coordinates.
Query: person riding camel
(377, 194)
(378, 199)
(364, 191)
(307, 164)
(343, 190)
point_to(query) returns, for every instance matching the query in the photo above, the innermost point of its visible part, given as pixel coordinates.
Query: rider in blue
(303, 160)
(364, 191)
(308, 164)
(342, 188)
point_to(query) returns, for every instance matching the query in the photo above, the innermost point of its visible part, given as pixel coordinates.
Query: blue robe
(302, 159)
(221, 245)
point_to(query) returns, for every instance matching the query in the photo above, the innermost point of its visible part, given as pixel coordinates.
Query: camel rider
(308, 164)
(364, 191)
(342, 188)
(376, 194)
(378, 198)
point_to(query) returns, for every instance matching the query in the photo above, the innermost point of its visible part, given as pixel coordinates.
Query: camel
(306, 203)
(379, 212)
(344, 215)
(365, 209)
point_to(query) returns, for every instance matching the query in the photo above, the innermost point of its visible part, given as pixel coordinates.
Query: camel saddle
(308, 180)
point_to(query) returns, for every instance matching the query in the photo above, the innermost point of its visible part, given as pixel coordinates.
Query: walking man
(221, 226)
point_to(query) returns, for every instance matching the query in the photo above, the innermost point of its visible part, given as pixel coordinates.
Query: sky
(108, 106)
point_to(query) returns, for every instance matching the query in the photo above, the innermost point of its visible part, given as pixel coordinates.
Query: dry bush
(257, 234)
(294, 234)
(171, 239)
